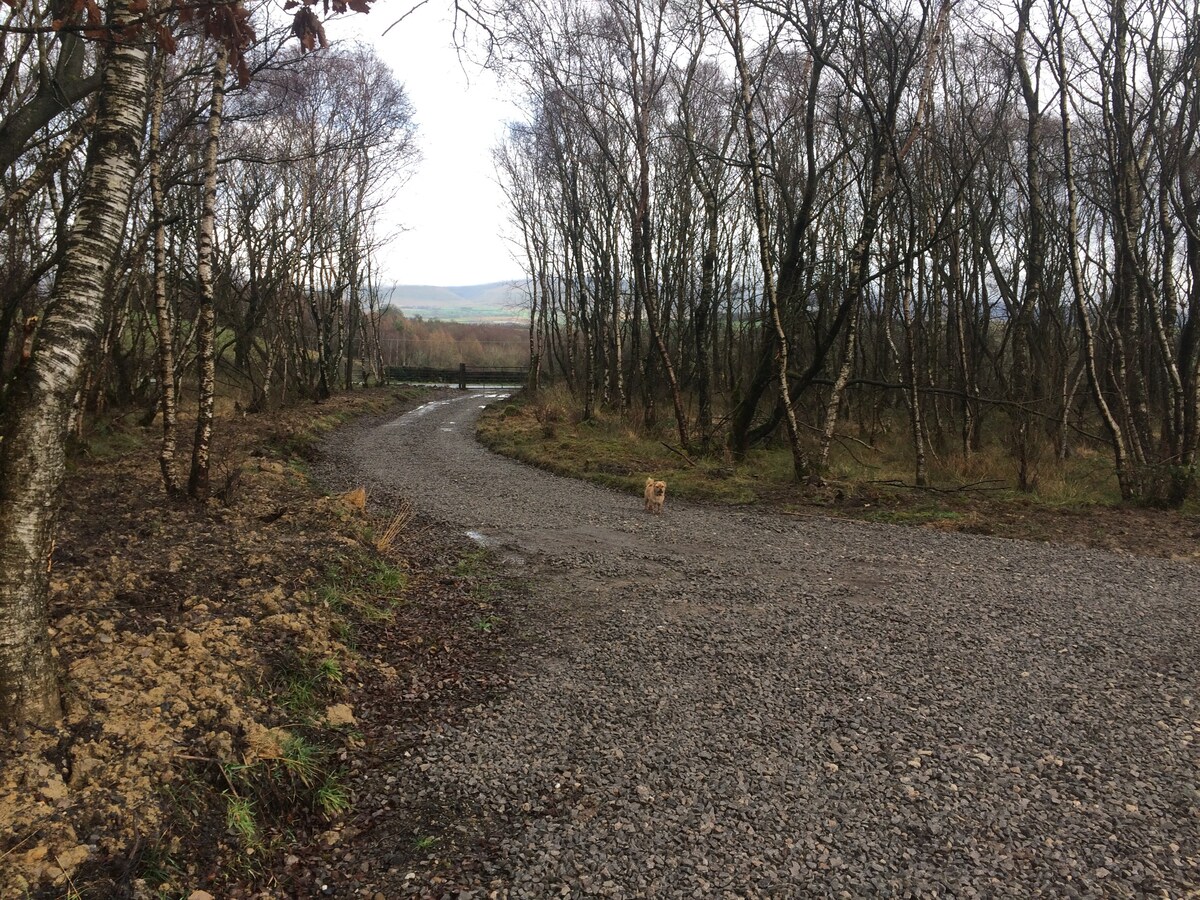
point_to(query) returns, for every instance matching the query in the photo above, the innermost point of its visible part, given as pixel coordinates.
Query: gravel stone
(722, 702)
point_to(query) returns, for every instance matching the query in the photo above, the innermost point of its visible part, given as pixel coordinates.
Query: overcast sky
(452, 208)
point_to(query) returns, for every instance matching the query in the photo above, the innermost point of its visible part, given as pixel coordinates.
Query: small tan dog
(656, 495)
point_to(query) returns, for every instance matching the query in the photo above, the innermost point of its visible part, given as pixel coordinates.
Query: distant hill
(500, 301)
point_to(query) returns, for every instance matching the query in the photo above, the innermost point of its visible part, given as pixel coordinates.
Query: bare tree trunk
(1164, 327)
(643, 72)
(620, 396)
(162, 304)
(1190, 372)
(915, 411)
(531, 380)
(58, 90)
(1125, 478)
(800, 462)
(15, 199)
(353, 314)
(839, 387)
(1127, 187)
(198, 481)
(1031, 296)
(704, 313)
(263, 400)
(366, 356)
(39, 407)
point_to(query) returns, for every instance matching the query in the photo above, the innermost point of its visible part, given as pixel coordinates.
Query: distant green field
(502, 301)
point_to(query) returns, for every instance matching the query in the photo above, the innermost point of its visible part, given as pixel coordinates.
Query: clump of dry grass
(400, 521)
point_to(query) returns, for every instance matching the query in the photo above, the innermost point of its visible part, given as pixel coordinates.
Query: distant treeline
(432, 342)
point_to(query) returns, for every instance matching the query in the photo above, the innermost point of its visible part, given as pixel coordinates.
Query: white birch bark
(198, 480)
(162, 305)
(38, 415)
(1125, 477)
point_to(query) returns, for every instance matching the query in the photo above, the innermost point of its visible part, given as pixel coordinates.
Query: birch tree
(40, 402)
(41, 399)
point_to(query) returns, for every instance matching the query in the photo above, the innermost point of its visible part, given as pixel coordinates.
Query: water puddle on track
(426, 408)
(488, 542)
(421, 411)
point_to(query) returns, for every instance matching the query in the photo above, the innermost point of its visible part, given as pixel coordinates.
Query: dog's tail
(649, 480)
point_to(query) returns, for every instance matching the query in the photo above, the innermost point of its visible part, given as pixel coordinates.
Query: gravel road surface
(728, 703)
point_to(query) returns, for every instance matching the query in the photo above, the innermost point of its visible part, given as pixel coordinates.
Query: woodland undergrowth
(869, 477)
(209, 657)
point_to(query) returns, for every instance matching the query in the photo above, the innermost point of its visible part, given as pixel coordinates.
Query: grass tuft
(240, 820)
(331, 797)
(303, 683)
(369, 586)
(395, 528)
(301, 760)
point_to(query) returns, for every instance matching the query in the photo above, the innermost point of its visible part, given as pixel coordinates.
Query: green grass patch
(364, 584)
(487, 624)
(606, 450)
(471, 564)
(106, 438)
(303, 683)
(241, 821)
(256, 805)
(332, 798)
(486, 585)
(304, 442)
(161, 868)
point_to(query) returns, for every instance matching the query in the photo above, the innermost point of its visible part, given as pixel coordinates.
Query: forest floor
(252, 685)
(229, 669)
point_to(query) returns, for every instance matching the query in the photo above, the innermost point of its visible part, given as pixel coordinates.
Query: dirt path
(726, 703)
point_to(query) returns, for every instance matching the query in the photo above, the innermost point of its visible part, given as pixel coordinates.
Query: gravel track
(730, 703)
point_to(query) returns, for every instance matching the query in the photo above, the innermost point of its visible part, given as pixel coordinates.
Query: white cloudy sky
(452, 208)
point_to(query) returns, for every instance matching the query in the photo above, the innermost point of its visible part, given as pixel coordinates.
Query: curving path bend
(730, 703)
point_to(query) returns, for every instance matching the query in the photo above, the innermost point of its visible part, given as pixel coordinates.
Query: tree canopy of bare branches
(779, 214)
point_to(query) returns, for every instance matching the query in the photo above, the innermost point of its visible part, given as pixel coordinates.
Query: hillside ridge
(496, 301)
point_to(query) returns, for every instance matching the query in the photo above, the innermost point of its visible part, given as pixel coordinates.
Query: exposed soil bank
(221, 664)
